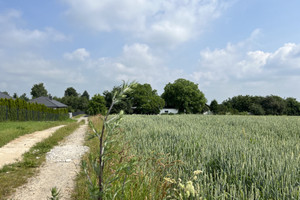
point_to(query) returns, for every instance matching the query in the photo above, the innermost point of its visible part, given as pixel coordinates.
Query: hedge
(20, 110)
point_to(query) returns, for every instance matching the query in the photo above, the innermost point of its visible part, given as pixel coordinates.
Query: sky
(227, 47)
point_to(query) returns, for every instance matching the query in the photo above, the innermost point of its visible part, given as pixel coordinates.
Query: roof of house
(50, 103)
(5, 96)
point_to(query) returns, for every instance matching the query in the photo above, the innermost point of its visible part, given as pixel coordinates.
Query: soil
(13, 151)
(60, 169)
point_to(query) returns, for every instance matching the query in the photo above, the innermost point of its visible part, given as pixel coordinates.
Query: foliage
(257, 105)
(97, 105)
(70, 92)
(86, 94)
(214, 106)
(38, 90)
(110, 127)
(20, 110)
(185, 96)
(55, 194)
(241, 157)
(145, 100)
(24, 97)
(124, 104)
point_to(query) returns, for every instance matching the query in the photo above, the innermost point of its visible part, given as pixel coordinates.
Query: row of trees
(182, 94)
(257, 105)
(23, 111)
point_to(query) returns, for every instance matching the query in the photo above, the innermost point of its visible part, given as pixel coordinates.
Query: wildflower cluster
(184, 190)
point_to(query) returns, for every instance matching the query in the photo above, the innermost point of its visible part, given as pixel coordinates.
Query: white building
(168, 111)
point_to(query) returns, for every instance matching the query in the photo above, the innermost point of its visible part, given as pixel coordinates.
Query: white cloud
(80, 54)
(167, 22)
(137, 62)
(13, 35)
(237, 70)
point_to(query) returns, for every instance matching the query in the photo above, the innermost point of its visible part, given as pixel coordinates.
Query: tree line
(182, 94)
(257, 105)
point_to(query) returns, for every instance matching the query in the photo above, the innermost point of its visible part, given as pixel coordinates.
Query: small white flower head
(189, 188)
(169, 180)
(195, 178)
(197, 172)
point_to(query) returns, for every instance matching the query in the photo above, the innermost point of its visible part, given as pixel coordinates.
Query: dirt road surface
(13, 151)
(60, 169)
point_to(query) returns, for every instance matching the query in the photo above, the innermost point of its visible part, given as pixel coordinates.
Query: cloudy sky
(227, 47)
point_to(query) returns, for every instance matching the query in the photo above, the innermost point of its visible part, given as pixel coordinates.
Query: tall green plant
(109, 128)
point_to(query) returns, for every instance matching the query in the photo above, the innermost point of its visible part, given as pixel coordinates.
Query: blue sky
(227, 47)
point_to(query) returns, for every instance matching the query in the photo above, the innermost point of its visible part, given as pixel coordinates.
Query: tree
(274, 105)
(292, 106)
(24, 97)
(70, 92)
(145, 100)
(15, 96)
(124, 104)
(185, 96)
(86, 94)
(97, 105)
(214, 106)
(38, 90)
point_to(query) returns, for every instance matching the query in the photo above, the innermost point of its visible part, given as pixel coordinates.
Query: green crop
(240, 157)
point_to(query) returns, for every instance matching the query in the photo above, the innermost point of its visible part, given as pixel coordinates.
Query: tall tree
(124, 104)
(71, 92)
(292, 106)
(38, 90)
(97, 105)
(185, 96)
(15, 96)
(24, 97)
(214, 106)
(86, 94)
(145, 100)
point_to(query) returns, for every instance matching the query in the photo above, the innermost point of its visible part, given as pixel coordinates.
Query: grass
(10, 130)
(17, 174)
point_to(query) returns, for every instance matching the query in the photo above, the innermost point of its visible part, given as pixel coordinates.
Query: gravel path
(13, 151)
(60, 169)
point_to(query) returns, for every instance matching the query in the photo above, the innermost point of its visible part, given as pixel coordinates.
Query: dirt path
(59, 170)
(13, 151)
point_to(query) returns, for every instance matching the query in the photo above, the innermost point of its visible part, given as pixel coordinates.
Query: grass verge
(11, 130)
(17, 174)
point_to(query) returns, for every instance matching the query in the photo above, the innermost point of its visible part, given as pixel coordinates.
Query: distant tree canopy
(86, 94)
(74, 101)
(71, 92)
(185, 96)
(214, 107)
(145, 100)
(125, 104)
(24, 97)
(258, 105)
(38, 90)
(97, 105)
